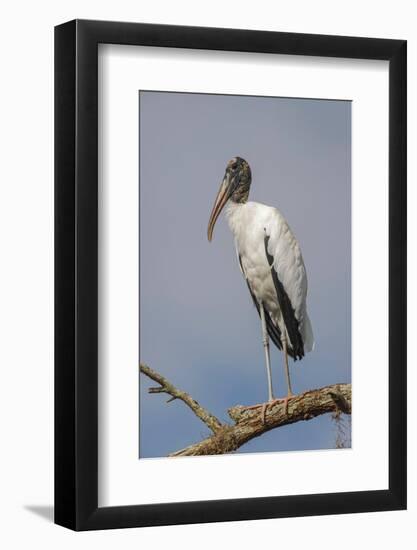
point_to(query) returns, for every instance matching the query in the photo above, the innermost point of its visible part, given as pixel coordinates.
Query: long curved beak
(222, 197)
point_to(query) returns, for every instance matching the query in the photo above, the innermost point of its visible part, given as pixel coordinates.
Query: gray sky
(198, 324)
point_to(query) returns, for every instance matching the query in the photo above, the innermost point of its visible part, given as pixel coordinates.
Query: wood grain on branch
(248, 422)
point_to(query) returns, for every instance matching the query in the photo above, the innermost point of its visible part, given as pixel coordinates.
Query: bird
(270, 260)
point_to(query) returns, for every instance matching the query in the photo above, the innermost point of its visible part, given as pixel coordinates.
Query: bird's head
(235, 186)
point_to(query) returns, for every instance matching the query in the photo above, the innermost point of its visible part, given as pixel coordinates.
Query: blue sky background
(198, 325)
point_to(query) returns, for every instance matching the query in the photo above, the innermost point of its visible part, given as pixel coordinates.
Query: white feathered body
(250, 222)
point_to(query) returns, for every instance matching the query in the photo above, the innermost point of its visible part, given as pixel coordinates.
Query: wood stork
(270, 260)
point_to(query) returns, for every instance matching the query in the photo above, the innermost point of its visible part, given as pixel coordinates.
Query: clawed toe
(285, 400)
(264, 406)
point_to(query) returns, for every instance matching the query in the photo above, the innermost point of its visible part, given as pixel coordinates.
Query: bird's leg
(287, 372)
(265, 341)
(271, 399)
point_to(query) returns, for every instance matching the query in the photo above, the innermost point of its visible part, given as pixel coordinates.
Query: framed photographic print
(230, 248)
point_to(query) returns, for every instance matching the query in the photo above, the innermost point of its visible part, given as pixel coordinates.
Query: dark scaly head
(235, 186)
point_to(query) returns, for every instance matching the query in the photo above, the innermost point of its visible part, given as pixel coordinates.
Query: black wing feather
(291, 322)
(273, 330)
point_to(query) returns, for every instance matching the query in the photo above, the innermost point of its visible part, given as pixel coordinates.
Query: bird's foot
(264, 407)
(286, 399)
(270, 403)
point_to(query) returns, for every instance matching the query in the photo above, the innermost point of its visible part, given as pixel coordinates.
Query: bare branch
(249, 422)
(166, 387)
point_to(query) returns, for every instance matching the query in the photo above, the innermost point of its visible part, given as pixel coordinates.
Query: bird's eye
(234, 166)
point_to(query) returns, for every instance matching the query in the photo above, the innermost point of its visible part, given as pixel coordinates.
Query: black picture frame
(76, 272)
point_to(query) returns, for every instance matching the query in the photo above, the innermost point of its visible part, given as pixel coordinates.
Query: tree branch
(166, 387)
(248, 422)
